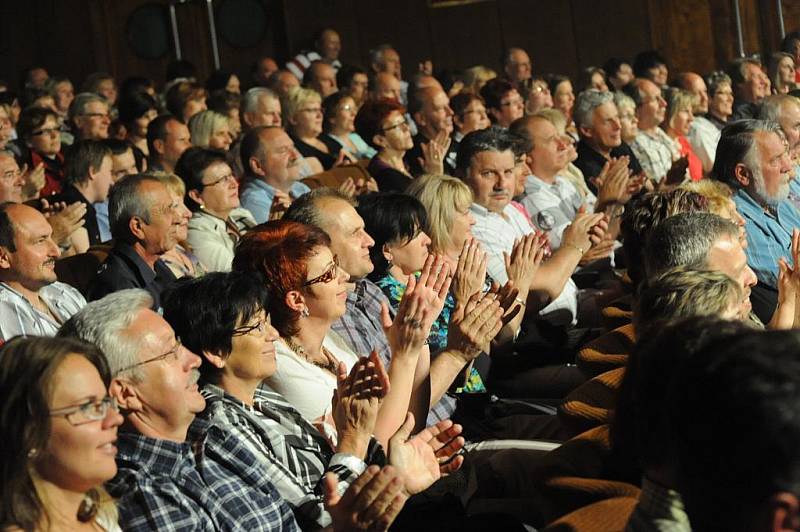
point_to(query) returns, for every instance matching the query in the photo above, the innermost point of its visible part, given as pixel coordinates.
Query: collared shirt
(210, 482)
(655, 152)
(552, 207)
(212, 239)
(124, 268)
(704, 137)
(256, 196)
(497, 234)
(295, 455)
(769, 235)
(103, 225)
(19, 318)
(362, 329)
(591, 162)
(659, 509)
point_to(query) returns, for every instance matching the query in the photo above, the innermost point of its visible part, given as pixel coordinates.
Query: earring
(305, 313)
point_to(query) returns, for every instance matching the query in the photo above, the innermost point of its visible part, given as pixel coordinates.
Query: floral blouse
(437, 340)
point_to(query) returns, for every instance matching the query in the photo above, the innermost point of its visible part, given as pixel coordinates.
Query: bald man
(703, 134)
(430, 109)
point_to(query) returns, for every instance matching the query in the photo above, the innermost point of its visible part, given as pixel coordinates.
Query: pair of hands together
(373, 501)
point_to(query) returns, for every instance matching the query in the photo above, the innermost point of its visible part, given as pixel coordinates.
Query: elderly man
(517, 66)
(260, 107)
(321, 77)
(144, 223)
(88, 178)
(327, 46)
(32, 301)
(703, 134)
(269, 158)
(167, 139)
(430, 109)
(486, 163)
(175, 472)
(785, 111)
(384, 58)
(753, 159)
(282, 81)
(652, 146)
(89, 115)
(600, 132)
(123, 163)
(750, 86)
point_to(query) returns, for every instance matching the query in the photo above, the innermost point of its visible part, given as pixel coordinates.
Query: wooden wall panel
(465, 36)
(680, 33)
(609, 28)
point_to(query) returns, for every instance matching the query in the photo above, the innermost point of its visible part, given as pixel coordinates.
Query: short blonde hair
(716, 192)
(173, 183)
(685, 293)
(204, 124)
(442, 197)
(296, 99)
(677, 101)
(623, 100)
(555, 117)
(476, 77)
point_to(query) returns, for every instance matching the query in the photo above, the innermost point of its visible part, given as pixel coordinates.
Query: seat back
(80, 270)
(337, 175)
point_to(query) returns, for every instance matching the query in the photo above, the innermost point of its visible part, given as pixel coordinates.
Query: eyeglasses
(227, 178)
(327, 276)
(540, 88)
(87, 412)
(403, 123)
(346, 107)
(46, 131)
(261, 326)
(169, 356)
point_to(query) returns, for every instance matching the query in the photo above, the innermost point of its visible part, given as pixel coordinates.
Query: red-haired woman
(384, 126)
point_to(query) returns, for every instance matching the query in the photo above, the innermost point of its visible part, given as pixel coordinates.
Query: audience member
(101, 83)
(303, 109)
(703, 134)
(321, 78)
(503, 102)
(281, 82)
(385, 59)
(59, 454)
(474, 78)
(39, 130)
(223, 80)
(12, 180)
(269, 158)
(536, 93)
(781, 72)
(185, 99)
(563, 97)
(209, 129)
(339, 110)
(618, 73)
(89, 115)
(720, 104)
(655, 151)
(430, 109)
(32, 301)
(652, 66)
(136, 110)
(678, 120)
(144, 223)
(212, 194)
(469, 114)
(750, 85)
(383, 125)
(262, 69)
(327, 46)
(785, 111)
(63, 94)
(167, 139)
(517, 66)
(353, 81)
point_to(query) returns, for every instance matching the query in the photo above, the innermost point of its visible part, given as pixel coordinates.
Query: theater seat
(80, 270)
(592, 403)
(579, 473)
(338, 175)
(610, 515)
(607, 352)
(618, 313)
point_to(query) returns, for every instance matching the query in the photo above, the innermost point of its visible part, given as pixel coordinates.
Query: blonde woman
(475, 78)
(677, 123)
(302, 109)
(212, 130)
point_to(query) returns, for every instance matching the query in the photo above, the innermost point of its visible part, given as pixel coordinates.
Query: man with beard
(32, 301)
(752, 157)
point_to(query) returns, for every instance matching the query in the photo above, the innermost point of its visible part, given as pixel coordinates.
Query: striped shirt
(552, 207)
(19, 318)
(294, 454)
(655, 152)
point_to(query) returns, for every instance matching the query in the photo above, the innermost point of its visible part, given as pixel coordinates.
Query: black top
(326, 159)
(70, 195)
(388, 179)
(591, 162)
(742, 110)
(413, 156)
(124, 268)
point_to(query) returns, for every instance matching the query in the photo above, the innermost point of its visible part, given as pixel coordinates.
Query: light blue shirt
(101, 213)
(256, 196)
(769, 236)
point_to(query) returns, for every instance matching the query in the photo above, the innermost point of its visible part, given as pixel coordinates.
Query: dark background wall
(76, 37)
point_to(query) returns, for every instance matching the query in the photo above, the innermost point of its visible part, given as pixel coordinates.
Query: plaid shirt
(362, 329)
(19, 318)
(295, 455)
(210, 482)
(769, 235)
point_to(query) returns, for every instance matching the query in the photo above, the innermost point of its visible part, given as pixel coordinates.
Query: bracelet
(518, 300)
(580, 249)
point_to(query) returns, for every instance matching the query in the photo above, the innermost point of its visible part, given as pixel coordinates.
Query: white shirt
(305, 386)
(704, 137)
(552, 206)
(19, 318)
(497, 234)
